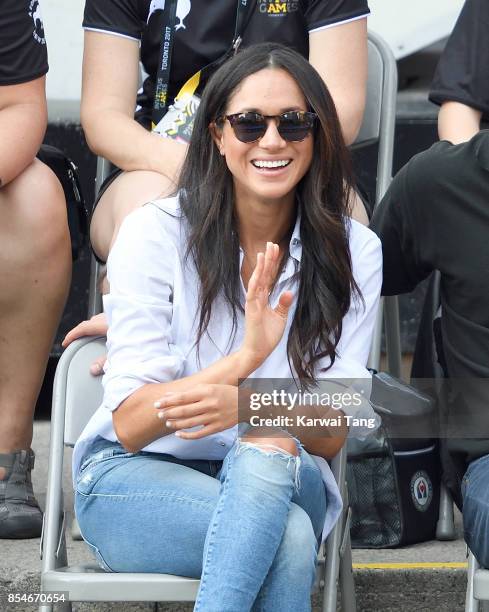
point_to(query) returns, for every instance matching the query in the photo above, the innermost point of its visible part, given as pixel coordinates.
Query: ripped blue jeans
(249, 525)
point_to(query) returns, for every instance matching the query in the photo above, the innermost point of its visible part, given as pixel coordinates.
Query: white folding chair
(76, 396)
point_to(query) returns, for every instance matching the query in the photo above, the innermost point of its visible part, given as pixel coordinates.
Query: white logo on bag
(421, 490)
(183, 9)
(35, 13)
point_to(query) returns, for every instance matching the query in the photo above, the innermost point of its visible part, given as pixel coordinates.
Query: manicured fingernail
(160, 415)
(169, 424)
(178, 434)
(95, 368)
(157, 404)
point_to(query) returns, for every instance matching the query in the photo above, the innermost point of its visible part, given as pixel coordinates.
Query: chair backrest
(380, 109)
(94, 295)
(82, 392)
(378, 125)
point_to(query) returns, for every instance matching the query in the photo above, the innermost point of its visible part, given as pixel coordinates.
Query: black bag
(394, 480)
(66, 171)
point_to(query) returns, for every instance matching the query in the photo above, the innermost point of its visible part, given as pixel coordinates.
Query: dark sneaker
(20, 515)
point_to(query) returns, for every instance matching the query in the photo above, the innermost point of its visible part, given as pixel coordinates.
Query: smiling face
(269, 169)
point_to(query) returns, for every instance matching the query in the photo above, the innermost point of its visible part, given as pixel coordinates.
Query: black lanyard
(160, 103)
(244, 11)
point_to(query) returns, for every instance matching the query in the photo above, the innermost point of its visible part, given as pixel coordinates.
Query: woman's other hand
(214, 407)
(96, 326)
(264, 325)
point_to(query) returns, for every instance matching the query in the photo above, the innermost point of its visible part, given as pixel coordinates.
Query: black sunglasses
(292, 126)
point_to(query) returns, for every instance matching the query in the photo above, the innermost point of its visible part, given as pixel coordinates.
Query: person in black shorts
(435, 216)
(35, 257)
(461, 81)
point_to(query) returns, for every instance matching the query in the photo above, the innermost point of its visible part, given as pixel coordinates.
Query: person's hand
(96, 326)
(215, 407)
(264, 325)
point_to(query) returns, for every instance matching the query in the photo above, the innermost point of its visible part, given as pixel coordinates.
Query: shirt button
(295, 241)
(222, 443)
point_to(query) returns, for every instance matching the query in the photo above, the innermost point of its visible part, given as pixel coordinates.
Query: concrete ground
(429, 576)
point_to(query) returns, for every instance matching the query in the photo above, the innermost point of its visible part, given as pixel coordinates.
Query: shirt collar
(295, 244)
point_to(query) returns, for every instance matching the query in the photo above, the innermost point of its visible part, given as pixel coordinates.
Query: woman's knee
(265, 465)
(258, 438)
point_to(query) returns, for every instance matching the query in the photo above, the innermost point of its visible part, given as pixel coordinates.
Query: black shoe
(20, 515)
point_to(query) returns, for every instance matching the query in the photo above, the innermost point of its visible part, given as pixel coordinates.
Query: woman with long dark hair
(252, 270)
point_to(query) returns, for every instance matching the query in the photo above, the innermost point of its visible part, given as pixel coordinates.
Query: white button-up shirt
(152, 311)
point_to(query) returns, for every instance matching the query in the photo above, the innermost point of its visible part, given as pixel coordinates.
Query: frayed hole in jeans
(270, 450)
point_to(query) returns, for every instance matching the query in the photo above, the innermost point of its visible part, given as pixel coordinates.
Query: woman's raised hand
(264, 325)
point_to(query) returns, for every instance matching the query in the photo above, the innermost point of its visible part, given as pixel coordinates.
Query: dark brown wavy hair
(326, 283)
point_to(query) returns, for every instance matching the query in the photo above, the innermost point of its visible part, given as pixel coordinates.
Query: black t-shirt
(205, 29)
(462, 74)
(435, 216)
(23, 55)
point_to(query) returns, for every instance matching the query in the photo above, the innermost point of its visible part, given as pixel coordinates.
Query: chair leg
(94, 295)
(471, 603)
(61, 556)
(392, 335)
(347, 581)
(75, 530)
(375, 351)
(331, 572)
(445, 527)
(59, 607)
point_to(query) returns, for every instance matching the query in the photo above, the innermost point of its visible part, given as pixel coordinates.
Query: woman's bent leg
(248, 529)
(142, 513)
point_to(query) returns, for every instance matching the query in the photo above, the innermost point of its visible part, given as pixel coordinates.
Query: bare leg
(35, 268)
(128, 192)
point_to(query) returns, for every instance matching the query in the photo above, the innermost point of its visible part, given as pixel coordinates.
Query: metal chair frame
(379, 126)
